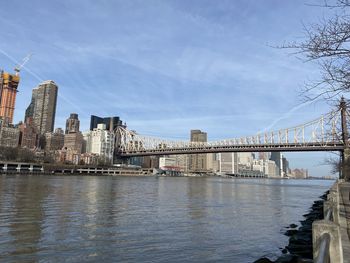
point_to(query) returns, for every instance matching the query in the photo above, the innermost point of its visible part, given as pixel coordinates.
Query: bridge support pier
(345, 162)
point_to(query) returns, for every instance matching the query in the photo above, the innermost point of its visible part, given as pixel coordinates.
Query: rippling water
(148, 219)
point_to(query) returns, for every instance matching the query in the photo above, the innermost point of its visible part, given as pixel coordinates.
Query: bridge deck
(286, 147)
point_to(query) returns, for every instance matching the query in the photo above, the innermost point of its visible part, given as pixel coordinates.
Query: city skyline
(163, 87)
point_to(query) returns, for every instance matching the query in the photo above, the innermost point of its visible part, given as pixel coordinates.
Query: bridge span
(290, 147)
(326, 133)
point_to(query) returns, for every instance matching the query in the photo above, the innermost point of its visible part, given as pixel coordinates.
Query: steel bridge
(326, 133)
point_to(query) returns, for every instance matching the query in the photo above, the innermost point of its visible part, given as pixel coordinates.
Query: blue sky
(166, 67)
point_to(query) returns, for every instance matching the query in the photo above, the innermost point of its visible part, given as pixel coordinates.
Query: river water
(148, 219)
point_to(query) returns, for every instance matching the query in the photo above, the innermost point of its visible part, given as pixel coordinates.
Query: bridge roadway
(284, 147)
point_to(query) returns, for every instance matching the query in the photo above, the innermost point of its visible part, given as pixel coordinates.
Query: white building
(228, 163)
(166, 163)
(245, 159)
(100, 141)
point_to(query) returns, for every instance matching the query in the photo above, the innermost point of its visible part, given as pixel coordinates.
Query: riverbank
(299, 248)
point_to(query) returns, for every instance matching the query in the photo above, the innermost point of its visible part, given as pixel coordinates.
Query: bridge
(326, 133)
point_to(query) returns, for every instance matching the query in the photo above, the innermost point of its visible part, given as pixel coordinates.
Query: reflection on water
(148, 219)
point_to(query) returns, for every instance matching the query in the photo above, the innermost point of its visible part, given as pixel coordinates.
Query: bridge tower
(345, 154)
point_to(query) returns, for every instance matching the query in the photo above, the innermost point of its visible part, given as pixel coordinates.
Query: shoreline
(299, 248)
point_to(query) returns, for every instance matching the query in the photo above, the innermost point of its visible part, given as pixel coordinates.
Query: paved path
(344, 219)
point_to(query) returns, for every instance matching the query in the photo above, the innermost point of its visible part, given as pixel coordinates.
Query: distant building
(28, 135)
(43, 106)
(9, 135)
(111, 122)
(198, 162)
(245, 158)
(73, 139)
(72, 124)
(228, 163)
(54, 140)
(148, 161)
(286, 170)
(300, 173)
(168, 163)
(181, 162)
(270, 169)
(8, 91)
(277, 158)
(73, 142)
(100, 141)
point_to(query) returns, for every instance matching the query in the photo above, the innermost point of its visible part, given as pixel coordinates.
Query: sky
(168, 66)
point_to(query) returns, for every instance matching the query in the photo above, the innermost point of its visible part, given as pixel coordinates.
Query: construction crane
(24, 61)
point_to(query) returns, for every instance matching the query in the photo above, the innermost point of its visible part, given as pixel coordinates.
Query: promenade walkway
(344, 219)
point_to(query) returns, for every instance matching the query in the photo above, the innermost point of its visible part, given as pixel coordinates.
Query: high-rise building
(73, 139)
(228, 163)
(245, 158)
(111, 122)
(198, 162)
(43, 106)
(286, 169)
(72, 124)
(277, 158)
(8, 92)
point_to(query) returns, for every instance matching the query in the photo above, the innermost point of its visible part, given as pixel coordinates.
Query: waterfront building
(111, 122)
(286, 170)
(73, 142)
(168, 163)
(245, 159)
(86, 147)
(181, 162)
(43, 106)
(228, 163)
(270, 168)
(149, 161)
(54, 140)
(277, 158)
(264, 156)
(8, 91)
(73, 139)
(72, 124)
(28, 135)
(9, 135)
(300, 173)
(198, 162)
(100, 141)
(89, 158)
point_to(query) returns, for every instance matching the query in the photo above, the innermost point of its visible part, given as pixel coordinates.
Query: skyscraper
(111, 122)
(198, 162)
(277, 158)
(8, 91)
(72, 124)
(73, 139)
(43, 106)
(228, 163)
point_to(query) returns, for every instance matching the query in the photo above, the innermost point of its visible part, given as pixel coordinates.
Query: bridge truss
(322, 134)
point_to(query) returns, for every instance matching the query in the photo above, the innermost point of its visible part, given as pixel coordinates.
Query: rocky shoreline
(299, 248)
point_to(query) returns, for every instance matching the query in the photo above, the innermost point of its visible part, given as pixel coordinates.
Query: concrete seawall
(331, 235)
